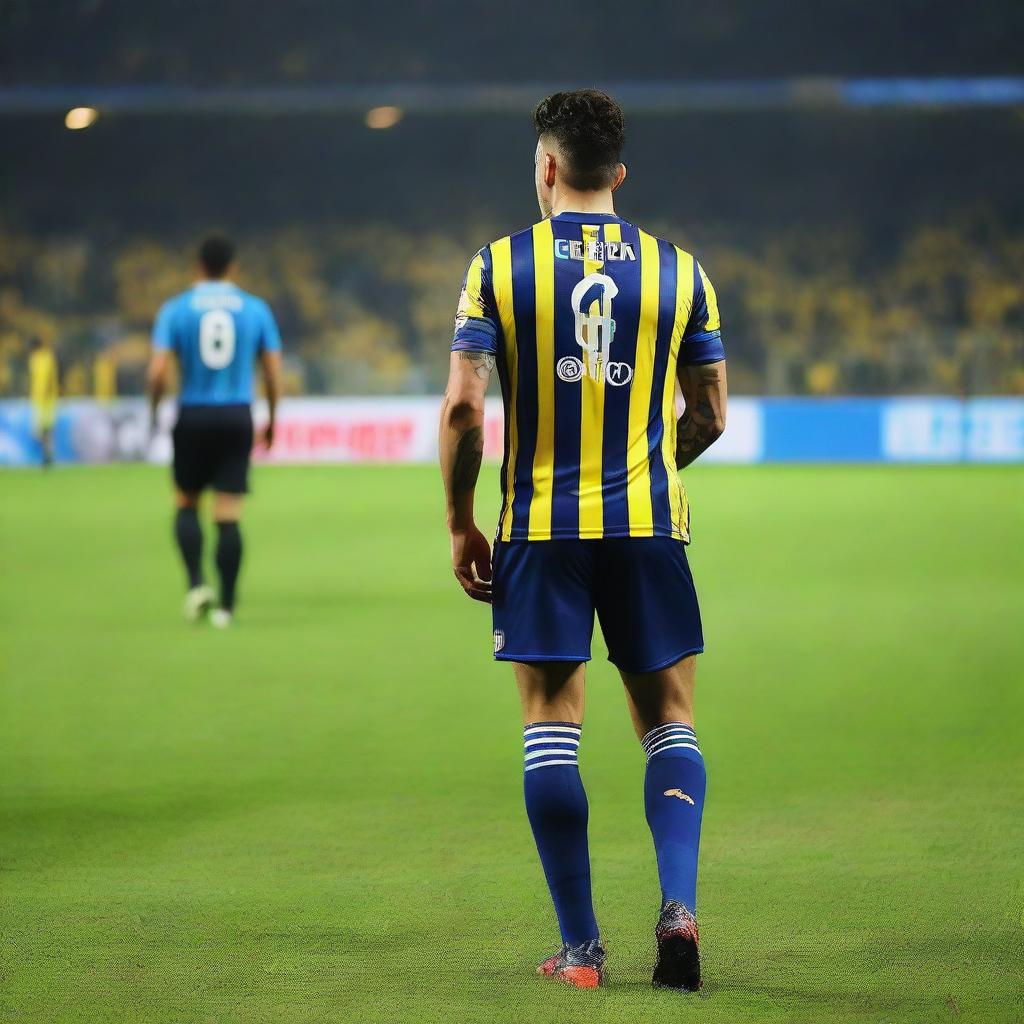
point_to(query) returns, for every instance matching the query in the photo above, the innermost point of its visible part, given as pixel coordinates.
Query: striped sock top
(671, 736)
(550, 743)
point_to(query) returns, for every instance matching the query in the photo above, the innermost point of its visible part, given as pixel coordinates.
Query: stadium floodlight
(80, 117)
(383, 117)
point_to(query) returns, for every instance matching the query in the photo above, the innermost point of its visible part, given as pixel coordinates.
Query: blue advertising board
(898, 430)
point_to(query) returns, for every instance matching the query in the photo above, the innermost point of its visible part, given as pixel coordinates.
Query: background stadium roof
(234, 42)
(451, 98)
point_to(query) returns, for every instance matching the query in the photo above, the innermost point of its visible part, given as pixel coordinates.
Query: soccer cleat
(581, 966)
(197, 602)
(678, 963)
(220, 618)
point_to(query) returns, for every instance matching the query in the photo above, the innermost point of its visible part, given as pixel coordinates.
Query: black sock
(189, 535)
(229, 560)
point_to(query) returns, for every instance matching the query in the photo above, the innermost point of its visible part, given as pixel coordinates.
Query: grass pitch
(317, 816)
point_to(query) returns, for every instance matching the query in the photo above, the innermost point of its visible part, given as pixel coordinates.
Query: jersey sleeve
(476, 320)
(163, 332)
(270, 336)
(702, 339)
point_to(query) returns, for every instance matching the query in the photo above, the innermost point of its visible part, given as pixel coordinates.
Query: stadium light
(80, 117)
(383, 117)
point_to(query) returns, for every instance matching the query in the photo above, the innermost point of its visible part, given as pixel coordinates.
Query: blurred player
(217, 332)
(43, 386)
(590, 322)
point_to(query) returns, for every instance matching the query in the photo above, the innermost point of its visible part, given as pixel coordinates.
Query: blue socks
(556, 805)
(674, 799)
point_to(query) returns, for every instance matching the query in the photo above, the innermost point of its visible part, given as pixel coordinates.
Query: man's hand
(268, 435)
(270, 364)
(471, 560)
(461, 443)
(156, 385)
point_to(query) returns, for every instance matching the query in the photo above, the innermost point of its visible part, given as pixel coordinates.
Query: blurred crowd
(853, 252)
(369, 310)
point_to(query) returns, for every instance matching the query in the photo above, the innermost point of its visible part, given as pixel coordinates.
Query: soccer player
(218, 332)
(590, 321)
(43, 389)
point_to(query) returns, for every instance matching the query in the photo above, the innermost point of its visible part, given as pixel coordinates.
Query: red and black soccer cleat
(678, 963)
(581, 966)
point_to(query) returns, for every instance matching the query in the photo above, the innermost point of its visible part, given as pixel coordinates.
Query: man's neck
(571, 201)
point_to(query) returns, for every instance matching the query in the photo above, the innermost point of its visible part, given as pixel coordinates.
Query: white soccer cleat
(198, 602)
(220, 618)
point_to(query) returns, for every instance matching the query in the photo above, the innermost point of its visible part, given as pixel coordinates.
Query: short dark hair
(216, 255)
(589, 127)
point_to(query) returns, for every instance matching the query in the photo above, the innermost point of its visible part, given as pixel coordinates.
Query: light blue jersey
(217, 331)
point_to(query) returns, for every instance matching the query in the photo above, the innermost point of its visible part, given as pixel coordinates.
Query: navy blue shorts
(545, 594)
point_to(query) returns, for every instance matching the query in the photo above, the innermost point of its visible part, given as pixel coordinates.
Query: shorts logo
(499, 643)
(679, 794)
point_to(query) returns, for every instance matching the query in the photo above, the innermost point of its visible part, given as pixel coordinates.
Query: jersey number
(217, 338)
(595, 332)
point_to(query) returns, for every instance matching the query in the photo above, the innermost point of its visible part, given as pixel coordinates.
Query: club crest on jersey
(596, 251)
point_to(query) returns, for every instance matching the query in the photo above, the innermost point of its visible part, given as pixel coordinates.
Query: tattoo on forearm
(697, 428)
(482, 363)
(693, 438)
(468, 455)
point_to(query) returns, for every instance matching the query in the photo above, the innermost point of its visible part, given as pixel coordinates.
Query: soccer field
(317, 816)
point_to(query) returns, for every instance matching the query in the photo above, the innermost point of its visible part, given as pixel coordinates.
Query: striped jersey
(588, 317)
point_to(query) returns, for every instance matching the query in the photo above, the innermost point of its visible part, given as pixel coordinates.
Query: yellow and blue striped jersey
(588, 318)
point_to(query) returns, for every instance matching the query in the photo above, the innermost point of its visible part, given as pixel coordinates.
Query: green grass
(317, 817)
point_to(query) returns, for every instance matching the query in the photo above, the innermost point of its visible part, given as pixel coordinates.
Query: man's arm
(156, 381)
(703, 420)
(270, 365)
(160, 360)
(461, 443)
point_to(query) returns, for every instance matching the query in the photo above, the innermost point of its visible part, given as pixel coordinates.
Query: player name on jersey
(598, 251)
(221, 298)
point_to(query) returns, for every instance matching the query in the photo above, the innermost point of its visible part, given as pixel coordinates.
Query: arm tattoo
(482, 363)
(697, 430)
(468, 455)
(693, 439)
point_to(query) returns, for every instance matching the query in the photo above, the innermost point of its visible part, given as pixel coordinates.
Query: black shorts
(212, 447)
